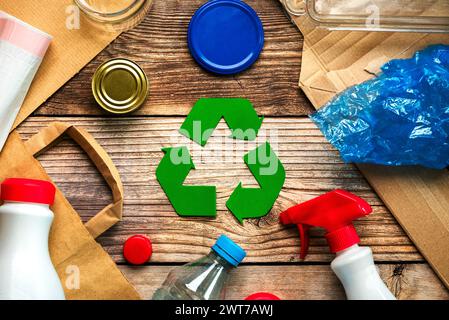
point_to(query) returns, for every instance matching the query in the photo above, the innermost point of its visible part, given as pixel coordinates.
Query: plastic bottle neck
(220, 260)
(16, 203)
(25, 226)
(208, 277)
(352, 248)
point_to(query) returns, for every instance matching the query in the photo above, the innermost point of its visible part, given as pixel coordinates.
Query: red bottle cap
(262, 296)
(28, 190)
(137, 249)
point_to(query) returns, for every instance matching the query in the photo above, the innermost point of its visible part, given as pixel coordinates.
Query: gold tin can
(120, 86)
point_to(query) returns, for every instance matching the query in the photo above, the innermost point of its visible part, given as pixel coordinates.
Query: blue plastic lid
(225, 36)
(229, 250)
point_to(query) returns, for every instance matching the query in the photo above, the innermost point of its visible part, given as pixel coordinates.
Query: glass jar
(295, 7)
(114, 15)
(375, 15)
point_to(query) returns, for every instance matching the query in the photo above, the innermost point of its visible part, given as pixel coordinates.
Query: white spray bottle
(354, 265)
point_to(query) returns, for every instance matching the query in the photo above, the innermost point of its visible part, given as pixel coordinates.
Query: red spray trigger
(304, 234)
(333, 211)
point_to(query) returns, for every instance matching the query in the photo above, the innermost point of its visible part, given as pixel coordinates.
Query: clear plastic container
(114, 15)
(375, 15)
(205, 278)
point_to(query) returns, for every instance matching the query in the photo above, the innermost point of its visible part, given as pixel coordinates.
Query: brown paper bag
(74, 252)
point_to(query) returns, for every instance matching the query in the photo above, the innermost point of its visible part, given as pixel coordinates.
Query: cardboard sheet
(335, 60)
(69, 51)
(418, 198)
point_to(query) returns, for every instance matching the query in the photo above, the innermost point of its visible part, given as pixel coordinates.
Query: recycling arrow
(187, 200)
(269, 172)
(263, 163)
(205, 115)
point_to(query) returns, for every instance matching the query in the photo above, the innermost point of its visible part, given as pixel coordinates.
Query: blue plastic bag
(399, 118)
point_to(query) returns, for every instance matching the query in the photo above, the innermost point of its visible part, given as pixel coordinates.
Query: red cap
(333, 211)
(137, 249)
(28, 190)
(262, 296)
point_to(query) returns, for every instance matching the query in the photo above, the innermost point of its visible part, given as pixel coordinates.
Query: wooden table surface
(134, 143)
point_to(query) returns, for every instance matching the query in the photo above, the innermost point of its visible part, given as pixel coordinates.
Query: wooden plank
(159, 45)
(406, 281)
(312, 165)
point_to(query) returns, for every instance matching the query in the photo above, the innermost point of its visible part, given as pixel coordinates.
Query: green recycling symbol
(267, 169)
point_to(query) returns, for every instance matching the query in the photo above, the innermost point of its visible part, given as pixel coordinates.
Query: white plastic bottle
(26, 271)
(359, 276)
(354, 265)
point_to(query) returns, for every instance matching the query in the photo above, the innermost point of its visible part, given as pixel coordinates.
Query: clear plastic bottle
(205, 278)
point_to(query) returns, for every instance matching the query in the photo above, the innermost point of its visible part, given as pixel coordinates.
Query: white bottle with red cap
(26, 271)
(354, 265)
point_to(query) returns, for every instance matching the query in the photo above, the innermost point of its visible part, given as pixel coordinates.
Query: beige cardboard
(69, 51)
(418, 198)
(72, 245)
(335, 60)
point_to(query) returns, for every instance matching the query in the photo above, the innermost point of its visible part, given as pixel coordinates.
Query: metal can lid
(225, 36)
(120, 86)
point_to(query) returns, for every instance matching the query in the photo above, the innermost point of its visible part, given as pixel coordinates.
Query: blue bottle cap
(229, 250)
(225, 36)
